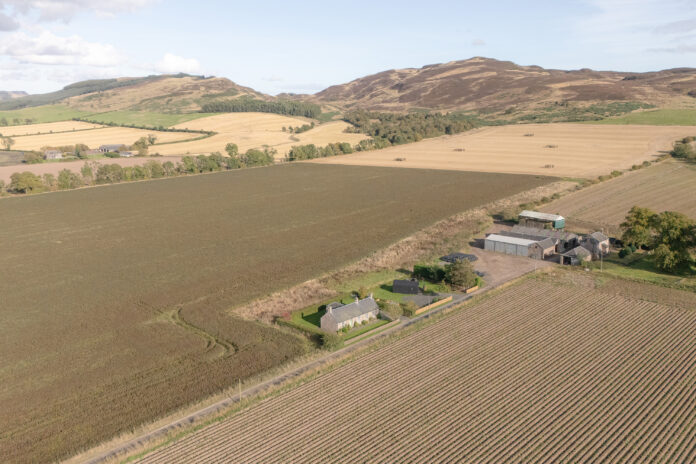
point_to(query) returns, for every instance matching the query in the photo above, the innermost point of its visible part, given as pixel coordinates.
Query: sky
(303, 47)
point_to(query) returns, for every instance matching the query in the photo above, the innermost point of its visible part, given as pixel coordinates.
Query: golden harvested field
(96, 137)
(669, 185)
(63, 126)
(538, 373)
(253, 130)
(576, 150)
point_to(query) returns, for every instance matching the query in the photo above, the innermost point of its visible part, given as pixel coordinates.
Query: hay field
(578, 150)
(95, 138)
(63, 126)
(669, 185)
(538, 373)
(11, 164)
(116, 303)
(254, 130)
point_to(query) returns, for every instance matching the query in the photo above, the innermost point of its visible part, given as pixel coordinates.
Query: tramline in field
(538, 373)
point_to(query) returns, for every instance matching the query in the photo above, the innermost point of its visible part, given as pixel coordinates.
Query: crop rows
(538, 373)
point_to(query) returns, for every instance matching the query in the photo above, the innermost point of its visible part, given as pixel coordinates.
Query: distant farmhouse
(53, 154)
(112, 148)
(597, 243)
(541, 220)
(407, 287)
(339, 316)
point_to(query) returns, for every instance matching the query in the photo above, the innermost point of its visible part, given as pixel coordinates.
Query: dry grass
(581, 150)
(63, 126)
(670, 185)
(116, 309)
(254, 130)
(95, 138)
(538, 372)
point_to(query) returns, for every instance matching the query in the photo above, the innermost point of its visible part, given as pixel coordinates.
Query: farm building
(564, 240)
(92, 152)
(576, 256)
(338, 317)
(597, 243)
(53, 154)
(111, 148)
(542, 249)
(508, 245)
(541, 220)
(407, 287)
(127, 154)
(454, 257)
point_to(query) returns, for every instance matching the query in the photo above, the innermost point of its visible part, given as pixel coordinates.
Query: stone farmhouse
(112, 148)
(597, 243)
(339, 316)
(53, 154)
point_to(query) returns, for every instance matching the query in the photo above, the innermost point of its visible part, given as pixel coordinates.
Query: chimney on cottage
(356, 298)
(371, 297)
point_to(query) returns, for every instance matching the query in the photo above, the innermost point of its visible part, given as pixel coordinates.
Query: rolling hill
(491, 85)
(11, 94)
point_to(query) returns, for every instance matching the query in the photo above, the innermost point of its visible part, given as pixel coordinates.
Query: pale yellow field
(62, 126)
(95, 138)
(578, 150)
(254, 130)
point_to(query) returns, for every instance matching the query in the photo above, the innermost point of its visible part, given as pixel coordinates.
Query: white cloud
(49, 49)
(65, 10)
(677, 27)
(8, 23)
(478, 43)
(171, 63)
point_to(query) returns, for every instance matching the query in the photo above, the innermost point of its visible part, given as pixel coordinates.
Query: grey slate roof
(111, 147)
(547, 243)
(578, 252)
(334, 305)
(355, 309)
(523, 231)
(542, 216)
(600, 237)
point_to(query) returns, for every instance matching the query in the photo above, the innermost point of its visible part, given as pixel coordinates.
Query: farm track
(538, 373)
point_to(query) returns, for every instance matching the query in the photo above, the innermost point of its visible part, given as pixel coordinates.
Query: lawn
(42, 114)
(119, 306)
(145, 118)
(662, 117)
(641, 267)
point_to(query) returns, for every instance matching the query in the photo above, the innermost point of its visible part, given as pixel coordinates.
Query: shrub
(331, 341)
(362, 293)
(409, 308)
(616, 173)
(626, 251)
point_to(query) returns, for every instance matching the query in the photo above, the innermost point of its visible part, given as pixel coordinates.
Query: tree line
(93, 173)
(395, 129)
(247, 104)
(138, 126)
(669, 236)
(684, 149)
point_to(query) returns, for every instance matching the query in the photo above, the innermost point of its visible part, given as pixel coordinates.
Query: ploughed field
(116, 300)
(669, 185)
(568, 150)
(541, 372)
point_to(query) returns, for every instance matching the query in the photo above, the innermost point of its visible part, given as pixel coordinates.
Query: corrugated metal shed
(508, 245)
(541, 216)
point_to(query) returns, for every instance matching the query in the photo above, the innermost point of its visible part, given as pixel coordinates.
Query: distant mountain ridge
(11, 94)
(483, 83)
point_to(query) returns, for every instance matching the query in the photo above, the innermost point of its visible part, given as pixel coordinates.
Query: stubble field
(669, 185)
(540, 372)
(96, 137)
(63, 126)
(116, 300)
(564, 150)
(254, 130)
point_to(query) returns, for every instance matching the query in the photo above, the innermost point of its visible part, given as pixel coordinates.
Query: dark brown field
(114, 301)
(551, 370)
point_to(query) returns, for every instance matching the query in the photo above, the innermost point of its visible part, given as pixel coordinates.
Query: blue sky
(301, 47)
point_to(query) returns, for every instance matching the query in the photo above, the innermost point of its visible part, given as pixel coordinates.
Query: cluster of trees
(459, 275)
(7, 142)
(248, 104)
(93, 173)
(16, 121)
(684, 149)
(396, 129)
(670, 237)
(311, 151)
(298, 129)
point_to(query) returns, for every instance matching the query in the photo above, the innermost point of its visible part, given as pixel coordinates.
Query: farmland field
(569, 150)
(116, 300)
(253, 130)
(145, 118)
(9, 158)
(45, 128)
(669, 185)
(541, 372)
(42, 114)
(661, 117)
(96, 137)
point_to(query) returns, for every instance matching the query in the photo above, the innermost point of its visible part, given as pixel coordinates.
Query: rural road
(216, 408)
